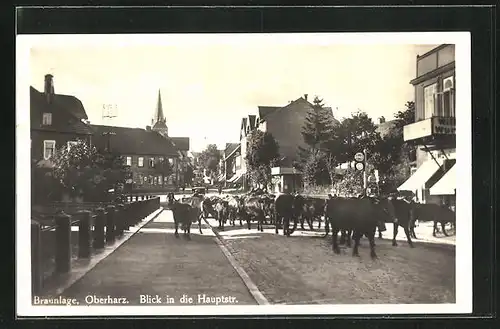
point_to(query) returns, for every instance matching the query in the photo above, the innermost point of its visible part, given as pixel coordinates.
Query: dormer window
(151, 162)
(47, 119)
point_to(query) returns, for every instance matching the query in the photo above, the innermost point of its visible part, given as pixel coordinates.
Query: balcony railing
(434, 126)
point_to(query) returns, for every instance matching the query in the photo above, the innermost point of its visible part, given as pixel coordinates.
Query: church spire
(159, 121)
(159, 117)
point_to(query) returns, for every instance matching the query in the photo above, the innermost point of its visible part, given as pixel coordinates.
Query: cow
(362, 216)
(253, 209)
(268, 207)
(400, 214)
(183, 214)
(284, 212)
(436, 213)
(196, 201)
(234, 207)
(221, 209)
(312, 208)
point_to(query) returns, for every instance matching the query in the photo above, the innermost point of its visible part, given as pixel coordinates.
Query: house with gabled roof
(145, 151)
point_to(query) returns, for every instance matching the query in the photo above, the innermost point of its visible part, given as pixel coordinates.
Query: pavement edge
(100, 257)
(252, 287)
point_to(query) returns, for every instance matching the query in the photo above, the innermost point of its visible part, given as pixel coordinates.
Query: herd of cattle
(352, 217)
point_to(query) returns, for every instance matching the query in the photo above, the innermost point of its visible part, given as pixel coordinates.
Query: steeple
(159, 121)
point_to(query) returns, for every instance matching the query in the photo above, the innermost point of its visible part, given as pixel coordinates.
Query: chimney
(49, 87)
(305, 97)
(148, 128)
(381, 120)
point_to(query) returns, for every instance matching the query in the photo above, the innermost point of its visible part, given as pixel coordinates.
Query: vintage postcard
(235, 174)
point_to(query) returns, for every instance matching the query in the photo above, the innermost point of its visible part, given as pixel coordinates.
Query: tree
(317, 132)
(262, 154)
(82, 171)
(209, 160)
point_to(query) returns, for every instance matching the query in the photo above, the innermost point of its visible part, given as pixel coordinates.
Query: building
(56, 121)
(233, 174)
(285, 124)
(433, 176)
(145, 151)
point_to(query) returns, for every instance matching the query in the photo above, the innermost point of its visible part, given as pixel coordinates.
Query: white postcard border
(464, 171)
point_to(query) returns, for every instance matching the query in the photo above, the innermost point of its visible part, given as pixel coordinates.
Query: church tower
(159, 122)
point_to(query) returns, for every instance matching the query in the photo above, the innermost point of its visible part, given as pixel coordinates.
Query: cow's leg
(262, 219)
(319, 222)
(371, 238)
(310, 222)
(434, 228)
(276, 225)
(327, 227)
(335, 245)
(356, 236)
(301, 219)
(379, 233)
(223, 220)
(394, 234)
(443, 226)
(286, 223)
(188, 236)
(199, 225)
(348, 238)
(408, 235)
(295, 222)
(176, 225)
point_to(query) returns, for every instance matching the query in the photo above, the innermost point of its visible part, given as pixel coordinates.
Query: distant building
(285, 124)
(146, 151)
(232, 164)
(433, 177)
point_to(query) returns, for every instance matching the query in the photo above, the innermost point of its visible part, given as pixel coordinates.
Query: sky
(207, 87)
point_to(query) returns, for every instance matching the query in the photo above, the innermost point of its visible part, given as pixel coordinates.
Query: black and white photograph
(233, 174)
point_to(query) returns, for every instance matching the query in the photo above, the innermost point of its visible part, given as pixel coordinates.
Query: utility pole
(365, 176)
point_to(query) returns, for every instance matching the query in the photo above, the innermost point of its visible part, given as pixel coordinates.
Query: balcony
(431, 127)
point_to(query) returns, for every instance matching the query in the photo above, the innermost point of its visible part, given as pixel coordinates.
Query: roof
(385, 128)
(182, 143)
(230, 148)
(302, 100)
(159, 124)
(251, 120)
(69, 111)
(266, 110)
(136, 141)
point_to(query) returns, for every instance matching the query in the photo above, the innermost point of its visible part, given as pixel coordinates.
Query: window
(171, 161)
(151, 162)
(448, 98)
(71, 143)
(155, 180)
(47, 119)
(49, 148)
(160, 159)
(429, 100)
(140, 162)
(128, 161)
(160, 180)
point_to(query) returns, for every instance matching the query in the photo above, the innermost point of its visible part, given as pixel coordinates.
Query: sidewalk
(153, 262)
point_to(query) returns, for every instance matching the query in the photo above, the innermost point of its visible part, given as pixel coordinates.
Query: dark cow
(221, 209)
(284, 212)
(312, 208)
(435, 213)
(183, 214)
(400, 214)
(268, 200)
(253, 209)
(362, 216)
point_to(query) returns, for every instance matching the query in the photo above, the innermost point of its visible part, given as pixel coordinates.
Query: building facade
(432, 179)
(57, 121)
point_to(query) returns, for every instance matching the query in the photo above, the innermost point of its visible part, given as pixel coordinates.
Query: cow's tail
(327, 226)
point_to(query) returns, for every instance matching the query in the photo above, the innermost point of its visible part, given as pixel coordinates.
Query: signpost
(360, 159)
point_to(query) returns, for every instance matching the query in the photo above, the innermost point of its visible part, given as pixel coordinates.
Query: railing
(54, 247)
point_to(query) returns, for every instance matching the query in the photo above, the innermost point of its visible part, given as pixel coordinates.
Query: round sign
(359, 157)
(360, 166)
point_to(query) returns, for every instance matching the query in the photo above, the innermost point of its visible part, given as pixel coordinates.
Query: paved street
(153, 262)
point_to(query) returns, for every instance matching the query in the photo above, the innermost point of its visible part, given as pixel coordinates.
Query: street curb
(252, 288)
(98, 258)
